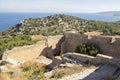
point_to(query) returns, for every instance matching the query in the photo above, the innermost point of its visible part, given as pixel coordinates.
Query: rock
(48, 74)
(67, 65)
(3, 68)
(56, 62)
(44, 60)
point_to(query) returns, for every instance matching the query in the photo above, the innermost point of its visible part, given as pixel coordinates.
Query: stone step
(102, 72)
(93, 76)
(73, 60)
(107, 70)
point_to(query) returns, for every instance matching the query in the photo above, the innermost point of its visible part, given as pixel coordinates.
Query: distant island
(114, 13)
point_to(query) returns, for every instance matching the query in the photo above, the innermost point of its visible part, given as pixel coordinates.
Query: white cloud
(56, 6)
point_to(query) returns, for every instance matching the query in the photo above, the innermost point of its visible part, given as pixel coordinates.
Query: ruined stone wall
(71, 41)
(108, 60)
(81, 57)
(30, 52)
(106, 46)
(99, 59)
(105, 43)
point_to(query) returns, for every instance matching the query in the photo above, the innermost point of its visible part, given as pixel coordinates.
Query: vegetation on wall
(88, 49)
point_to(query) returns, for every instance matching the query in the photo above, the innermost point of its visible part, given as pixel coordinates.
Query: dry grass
(30, 63)
(19, 74)
(93, 33)
(60, 72)
(8, 76)
(34, 70)
(4, 76)
(19, 78)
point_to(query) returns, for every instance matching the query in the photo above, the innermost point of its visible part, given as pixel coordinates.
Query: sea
(8, 20)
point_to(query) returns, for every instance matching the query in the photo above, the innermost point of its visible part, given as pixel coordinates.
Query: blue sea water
(8, 20)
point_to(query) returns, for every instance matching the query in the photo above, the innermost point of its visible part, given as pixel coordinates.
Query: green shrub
(88, 49)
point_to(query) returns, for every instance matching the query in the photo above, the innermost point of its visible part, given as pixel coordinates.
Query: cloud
(57, 6)
(39, 7)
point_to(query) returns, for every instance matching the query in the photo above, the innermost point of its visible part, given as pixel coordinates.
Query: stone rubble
(44, 60)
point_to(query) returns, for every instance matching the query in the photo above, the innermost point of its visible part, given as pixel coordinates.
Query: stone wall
(105, 43)
(71, 41)
(31, 52)
(107, 47)
(99, 59)
(108, 60)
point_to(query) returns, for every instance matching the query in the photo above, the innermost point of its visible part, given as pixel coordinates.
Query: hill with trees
(57, 24)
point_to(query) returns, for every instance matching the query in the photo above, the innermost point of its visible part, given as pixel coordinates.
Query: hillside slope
(57, 24)
(51, 25)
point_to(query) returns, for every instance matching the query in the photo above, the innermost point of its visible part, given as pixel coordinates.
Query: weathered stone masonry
(105, 43)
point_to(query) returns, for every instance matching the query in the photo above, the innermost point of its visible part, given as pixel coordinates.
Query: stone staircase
(99, 74)
(102, 72)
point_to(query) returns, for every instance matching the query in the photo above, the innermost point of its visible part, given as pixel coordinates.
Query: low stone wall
(108, 60)
(99, 59)
(80, 57)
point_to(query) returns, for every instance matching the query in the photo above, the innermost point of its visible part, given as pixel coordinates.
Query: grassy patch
(34, 70)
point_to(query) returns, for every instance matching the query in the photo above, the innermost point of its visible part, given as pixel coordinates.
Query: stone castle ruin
(56, 51)
(68, 43)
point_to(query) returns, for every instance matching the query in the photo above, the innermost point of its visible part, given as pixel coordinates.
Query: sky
(73, 6)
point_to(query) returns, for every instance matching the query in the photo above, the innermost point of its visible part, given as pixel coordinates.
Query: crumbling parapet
(99, 59)
(104, 59)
